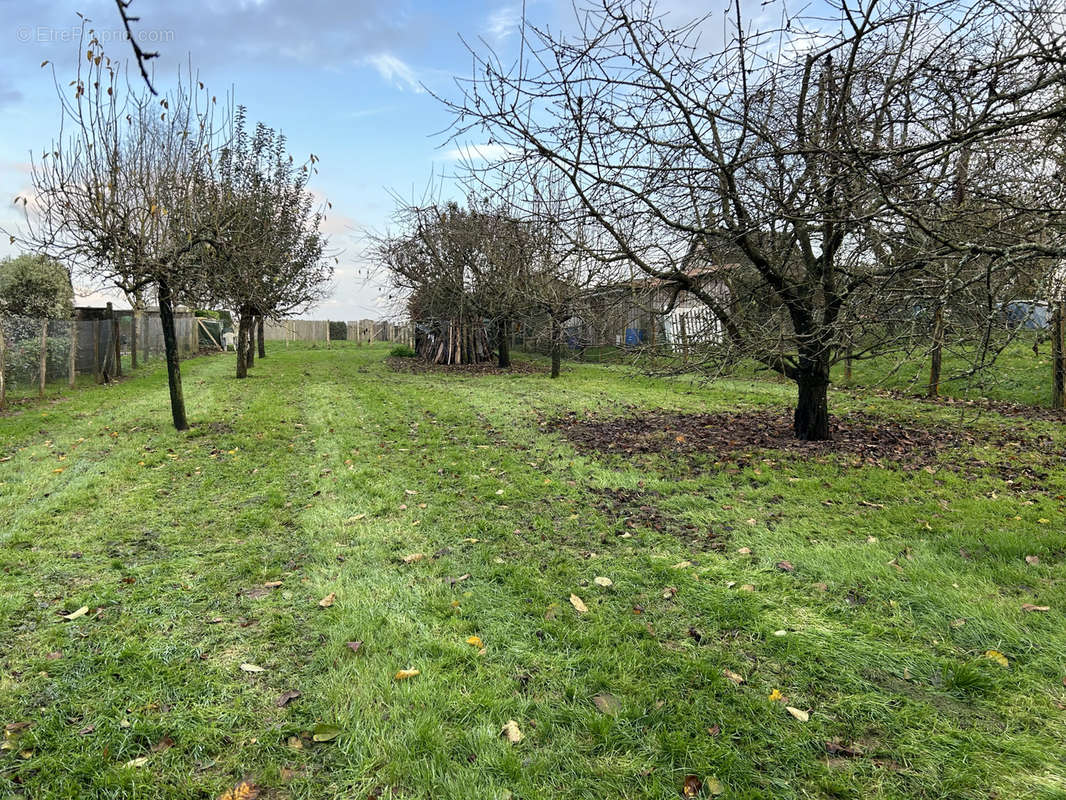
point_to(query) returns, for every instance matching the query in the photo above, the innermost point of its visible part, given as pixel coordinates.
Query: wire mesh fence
(96, 344)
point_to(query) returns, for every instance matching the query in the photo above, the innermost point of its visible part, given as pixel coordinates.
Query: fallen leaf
(669, 592)
(1031, 607)
(798, 713)
(475, 641)
(744, 551)
(404, 674)
(747, 587)
(835, 748)
(714, 730)
(602, 581)
(607, 703)
(354, 646)
(785, 566)
(578, 604)
(81, 612)
(733, 676)
(1032, 561)
(327, 601)
(998, 657)
(692, 786)
(163, 744)
(713, 787)
(324, 732)
(512, 732)
(87, 730)
(682, 565)
(137, 762)
(288, 697)
(245, 790)
(821, 587)
(272, 584)
(413, 557)
(252, 668)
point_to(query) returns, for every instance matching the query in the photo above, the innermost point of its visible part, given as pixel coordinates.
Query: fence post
(44, 358)
(72, 356)
(3, 366)
(1058, 356)
(329, 344)
(98, 371)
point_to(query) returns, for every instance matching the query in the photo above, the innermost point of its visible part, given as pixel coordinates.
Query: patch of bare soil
(861, 439)
(418, 366)
(977, 406)
(632, 509)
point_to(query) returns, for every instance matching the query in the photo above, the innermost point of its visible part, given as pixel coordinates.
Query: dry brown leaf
(354, 646)
(682, 564)
(288, 697)
(413, 557)
(252, 668)
(1031, 607)
(692, 786)
(578, 604)
(599, 580)
(245, 790)
(327, 601)
(785, 566)
(798, 713)
(512, 732)
(607, 703)
(733, 676)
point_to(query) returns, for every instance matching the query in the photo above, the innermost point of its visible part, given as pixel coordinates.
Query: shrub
(338, 331)
(402, 351)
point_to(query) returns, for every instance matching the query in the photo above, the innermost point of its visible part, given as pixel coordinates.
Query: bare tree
(118, 195)
(787, 156)
(270, 261)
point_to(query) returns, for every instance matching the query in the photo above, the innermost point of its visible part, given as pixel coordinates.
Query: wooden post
(134, 319)
(3, 367)
(44, 359)
(116, 335)
(98, 368)
(1058, 355)
(72, 356)
(329, 344)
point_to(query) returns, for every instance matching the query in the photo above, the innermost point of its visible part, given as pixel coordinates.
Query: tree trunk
(116, 339)
(170, 346)
(3, 368)
(261, 326)
(811, 423)
(243, 323)
(135, 322)
(933, 389)
(1058, 355)
(503, 342)
(43, 373)
(557, 348)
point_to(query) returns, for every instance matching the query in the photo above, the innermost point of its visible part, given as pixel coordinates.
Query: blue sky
(341, 79)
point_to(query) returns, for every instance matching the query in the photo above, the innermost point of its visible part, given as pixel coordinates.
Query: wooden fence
(365, 331)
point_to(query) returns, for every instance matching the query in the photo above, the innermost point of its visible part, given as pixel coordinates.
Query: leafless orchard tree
(118, 195)
(270, 261)
(794, 158)
(463, 272)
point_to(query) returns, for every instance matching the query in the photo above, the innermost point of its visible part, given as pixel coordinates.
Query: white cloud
(395, 71)
(503, 22)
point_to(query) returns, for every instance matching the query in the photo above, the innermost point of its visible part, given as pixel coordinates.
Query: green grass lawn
(326, 473)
